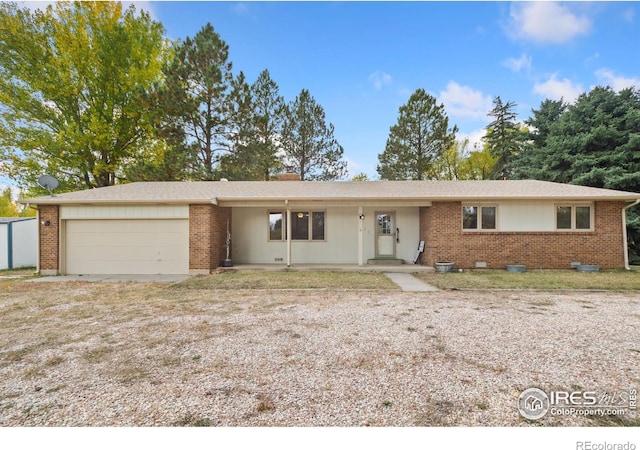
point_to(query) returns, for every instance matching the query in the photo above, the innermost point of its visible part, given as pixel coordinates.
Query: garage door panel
(127, 246)
(125, 253)
(148, 239)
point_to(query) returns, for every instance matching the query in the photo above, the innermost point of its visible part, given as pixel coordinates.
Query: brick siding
(441, 229)
(207, 236)
(49, 236)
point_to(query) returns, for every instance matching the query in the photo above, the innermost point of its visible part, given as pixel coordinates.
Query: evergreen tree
(503, 137)
(259, 116)
(308, 143)
(524, 165)
(594, 142)
(197, 102)
(417, 140)
(543, 119)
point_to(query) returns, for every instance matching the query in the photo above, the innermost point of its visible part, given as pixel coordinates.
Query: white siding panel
(25, 246)
(127, 246)
(251, 245)
(4, 246)
(407, 220)
(125, 212)
(526, 216)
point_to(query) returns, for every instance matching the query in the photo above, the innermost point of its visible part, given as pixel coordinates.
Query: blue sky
(362, 60)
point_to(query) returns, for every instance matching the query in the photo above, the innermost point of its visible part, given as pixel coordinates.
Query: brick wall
(441, 229)
(49, 236)
(207, 236)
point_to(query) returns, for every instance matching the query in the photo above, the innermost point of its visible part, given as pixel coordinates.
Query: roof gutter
(624, 233)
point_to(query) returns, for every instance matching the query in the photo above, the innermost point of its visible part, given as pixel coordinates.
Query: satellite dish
(48, 182)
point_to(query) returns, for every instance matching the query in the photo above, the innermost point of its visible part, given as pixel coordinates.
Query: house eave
(106, 202)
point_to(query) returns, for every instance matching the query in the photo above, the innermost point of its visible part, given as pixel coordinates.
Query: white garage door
(127, 246)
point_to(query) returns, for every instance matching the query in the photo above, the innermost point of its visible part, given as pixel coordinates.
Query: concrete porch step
(385, 261)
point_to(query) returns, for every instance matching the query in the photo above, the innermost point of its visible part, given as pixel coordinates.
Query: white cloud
(592, 58)
(475, 138)
(353, 168)
(628, 15)
(545, 22)
(517, 65)
(240, 8)
(464, 101)
(555, 89)
(617, 82)
(379, 79)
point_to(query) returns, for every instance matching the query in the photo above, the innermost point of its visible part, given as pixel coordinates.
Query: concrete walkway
(409, 283)
(112, 278)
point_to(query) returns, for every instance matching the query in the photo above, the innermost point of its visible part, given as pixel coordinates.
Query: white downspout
(624, 233)
(286, 202)
(360, 236)
(38, 241)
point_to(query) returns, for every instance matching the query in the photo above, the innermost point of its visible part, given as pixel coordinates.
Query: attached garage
(101, 241)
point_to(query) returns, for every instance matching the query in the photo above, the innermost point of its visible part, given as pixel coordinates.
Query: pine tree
(196, 98)
(503, 137)
(417, 140)
(308, 143)
(259, 117)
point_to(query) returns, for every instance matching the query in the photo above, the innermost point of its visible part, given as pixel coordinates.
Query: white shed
(18, 242)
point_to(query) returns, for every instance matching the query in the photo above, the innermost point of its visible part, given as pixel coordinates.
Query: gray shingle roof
(213, 191)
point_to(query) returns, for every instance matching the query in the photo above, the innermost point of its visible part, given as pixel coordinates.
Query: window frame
(478, 228)
(283, 213)
(574, 206)
(309, 213)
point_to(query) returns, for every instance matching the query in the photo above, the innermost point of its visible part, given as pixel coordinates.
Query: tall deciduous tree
(417, 140)
(480, 164)
(259, 118)
(309, 146)
(503, 137)
(196, 98)
(8, 208)
(71, 82)
(460, 163)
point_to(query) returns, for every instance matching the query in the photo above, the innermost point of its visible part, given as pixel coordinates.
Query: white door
(127, 246)
(385, 235)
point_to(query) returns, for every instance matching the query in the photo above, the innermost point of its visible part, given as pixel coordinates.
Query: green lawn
(289, 279)
(536, 279)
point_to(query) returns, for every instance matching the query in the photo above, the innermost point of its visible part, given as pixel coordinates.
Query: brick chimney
(289, 177)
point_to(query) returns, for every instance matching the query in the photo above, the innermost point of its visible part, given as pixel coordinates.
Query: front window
(470, 217)
(479, 217)
(299, 225)
(583, 218)
(573, 217)
(276, 222)
(305, 226)
(317, 228)
(563, 217)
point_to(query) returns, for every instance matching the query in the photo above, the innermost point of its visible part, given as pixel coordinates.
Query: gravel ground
(146, 355)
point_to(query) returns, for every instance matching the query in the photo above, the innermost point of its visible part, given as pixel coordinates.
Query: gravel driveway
(144, 354)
